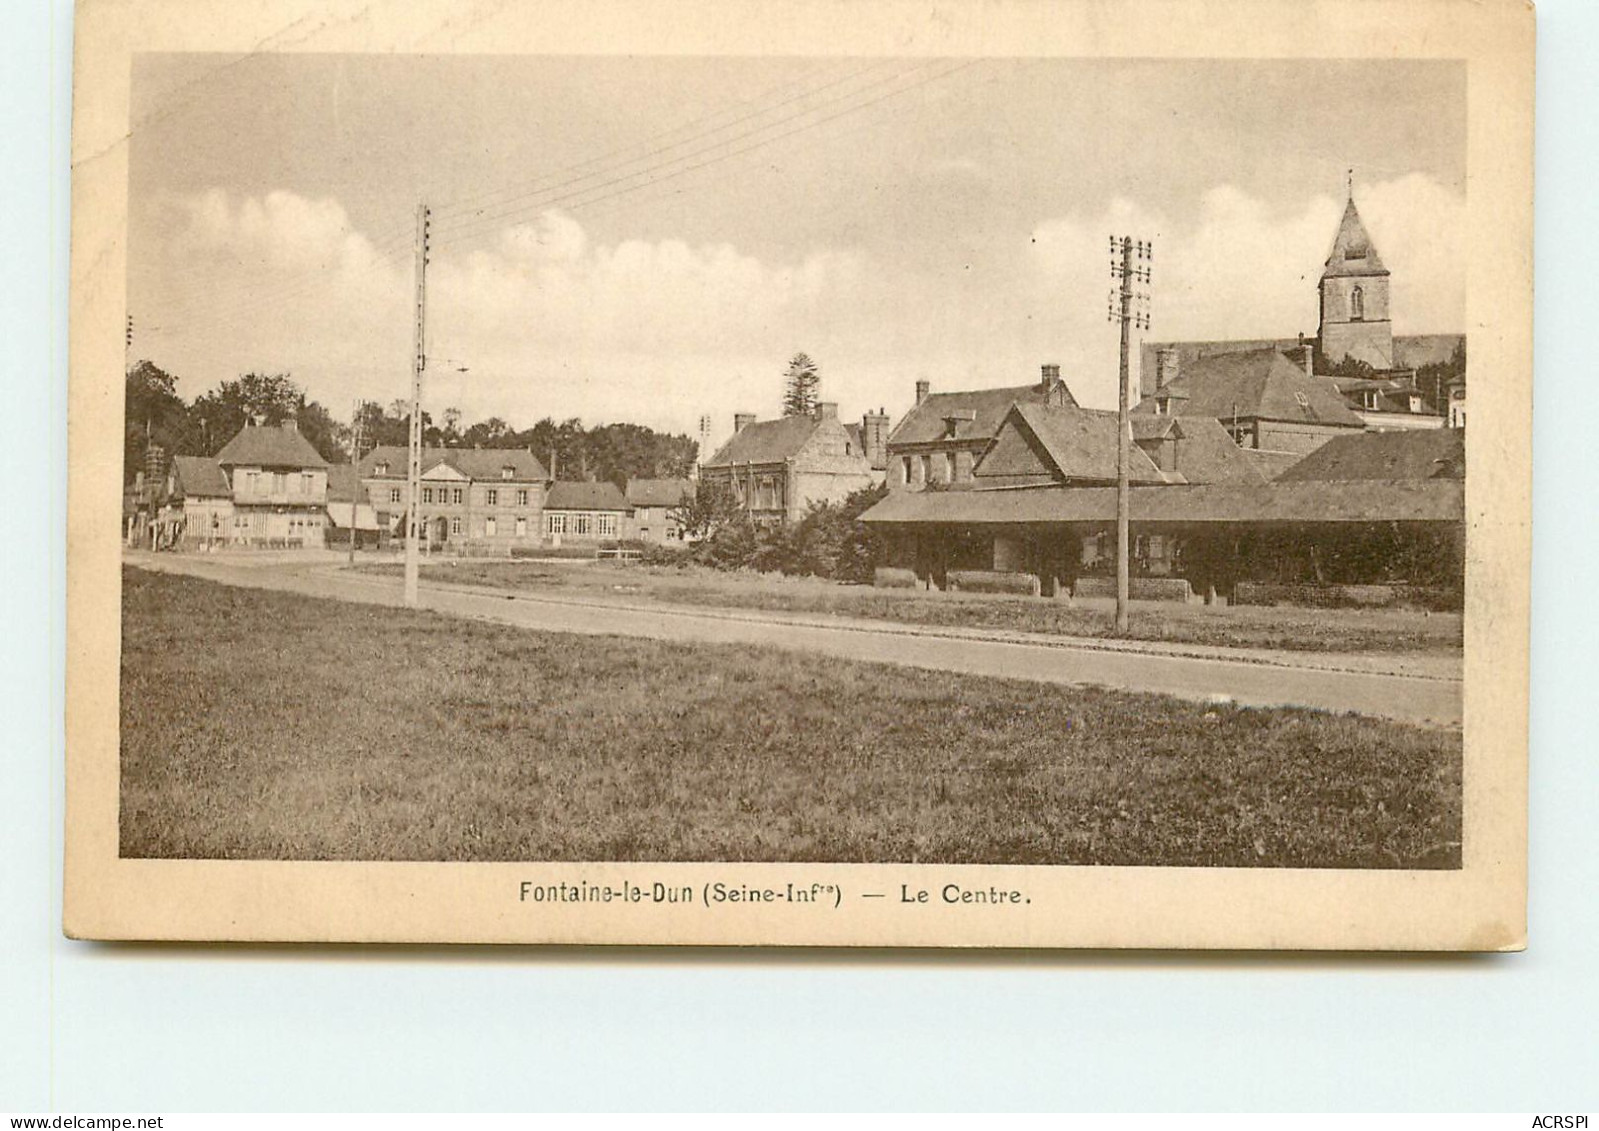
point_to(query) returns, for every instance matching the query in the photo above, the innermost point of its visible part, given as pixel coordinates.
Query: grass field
(1304, 630)
(266, 725)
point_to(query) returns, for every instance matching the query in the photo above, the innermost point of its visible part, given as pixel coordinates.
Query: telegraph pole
(355, 472)
(413, 520)
(1130, 309)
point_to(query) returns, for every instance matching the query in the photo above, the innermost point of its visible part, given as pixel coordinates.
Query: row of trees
(156, 414)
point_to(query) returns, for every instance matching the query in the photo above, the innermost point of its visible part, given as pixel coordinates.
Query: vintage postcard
(801, 474)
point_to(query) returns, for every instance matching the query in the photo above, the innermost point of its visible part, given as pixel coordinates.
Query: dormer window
(1163, 406)
(507, 472)
(381, 469)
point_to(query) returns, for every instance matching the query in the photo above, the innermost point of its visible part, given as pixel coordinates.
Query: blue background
(86, 1027)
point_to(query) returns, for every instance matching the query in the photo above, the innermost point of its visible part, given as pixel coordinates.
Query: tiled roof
(1437, 500)
(585, 497)
(1353, 253)
(1207, 454)
(1257, 384)
(1435, 453)
(927, 421)
(657, 492)
(265, 446)
(766, 441)
(1083, 443)
(344, 486)
(201, 477)
(475, 463)
(1271, 465)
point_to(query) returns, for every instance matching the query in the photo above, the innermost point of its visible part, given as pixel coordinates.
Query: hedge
(889, 577)
(1138, 588)
(992, 581)
(1431, 598)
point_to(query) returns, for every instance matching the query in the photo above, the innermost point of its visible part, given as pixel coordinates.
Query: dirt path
(1417, 689)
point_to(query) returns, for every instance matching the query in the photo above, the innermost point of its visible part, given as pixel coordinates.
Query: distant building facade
(580, 513)
(944, 435)
(1263, 400)
(775, 468)
(487, 500)
(655, 509)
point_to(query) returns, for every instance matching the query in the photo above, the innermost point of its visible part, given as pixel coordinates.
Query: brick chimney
(1304, 354)
(826, 410)
(923, 388)
(1049, 377)
(741, 421)
(874, 438)
(1167, 366)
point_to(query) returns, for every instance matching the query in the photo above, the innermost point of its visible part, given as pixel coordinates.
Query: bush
(890, 577)
(653, 553)
(829, 541)
(992, 581)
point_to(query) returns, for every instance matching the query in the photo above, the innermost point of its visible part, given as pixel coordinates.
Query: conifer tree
(803, 381)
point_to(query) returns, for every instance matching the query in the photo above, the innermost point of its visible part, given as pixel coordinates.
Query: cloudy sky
(651, 239)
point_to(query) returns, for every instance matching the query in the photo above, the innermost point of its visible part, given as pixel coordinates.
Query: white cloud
(549, 322)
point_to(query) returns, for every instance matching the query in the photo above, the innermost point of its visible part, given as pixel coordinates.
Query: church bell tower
(1354, 297)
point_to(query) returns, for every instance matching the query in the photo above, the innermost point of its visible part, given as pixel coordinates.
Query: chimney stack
(1166, 366)
(1306, 355)
(826, 410)
(874, 438)
(923, 388)
(741, 421)
(1049, 377)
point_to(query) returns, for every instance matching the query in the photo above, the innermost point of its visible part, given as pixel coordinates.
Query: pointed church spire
(1353, 253)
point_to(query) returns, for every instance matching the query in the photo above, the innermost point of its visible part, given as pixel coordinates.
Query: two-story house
(774, 468)
(473, 499)
(279, 485)
(655, 507)
(945, 435)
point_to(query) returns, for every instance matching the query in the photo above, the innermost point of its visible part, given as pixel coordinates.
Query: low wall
(992, 581)
(1138, 588)
(1432, 598)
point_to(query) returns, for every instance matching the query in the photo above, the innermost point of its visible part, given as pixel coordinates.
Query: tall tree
(154, 414)
(270, 399)
(802, 383)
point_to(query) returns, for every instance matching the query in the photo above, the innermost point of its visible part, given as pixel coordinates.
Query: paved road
(1282, 678)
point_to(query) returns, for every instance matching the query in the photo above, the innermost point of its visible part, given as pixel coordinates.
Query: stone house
(944, 435)
(654, 504)
(583, 513)
(774, 468)
(474, 500)
(1263, 400)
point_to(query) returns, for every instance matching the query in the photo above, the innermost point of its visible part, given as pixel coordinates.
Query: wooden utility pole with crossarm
(1129, 263)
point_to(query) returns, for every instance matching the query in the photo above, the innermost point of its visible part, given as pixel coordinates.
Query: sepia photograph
(910, 460)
